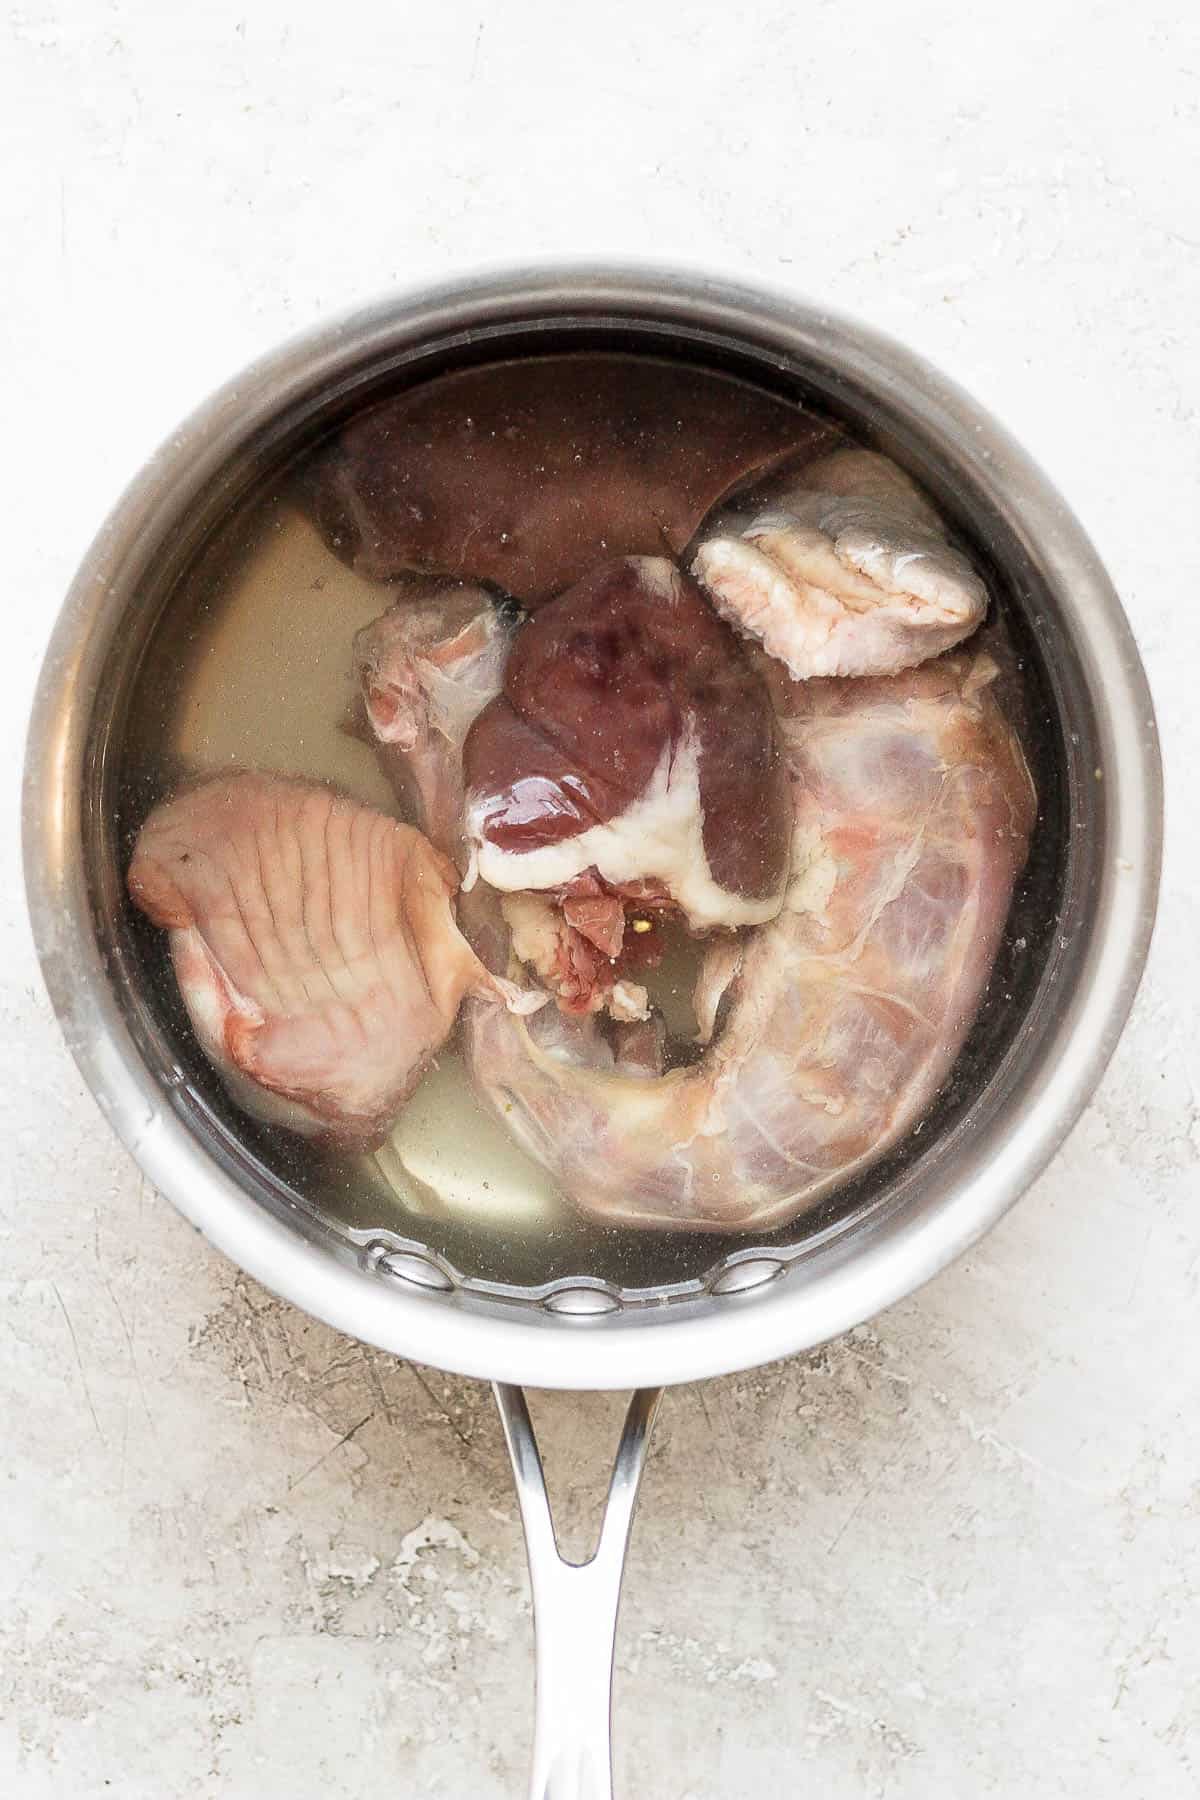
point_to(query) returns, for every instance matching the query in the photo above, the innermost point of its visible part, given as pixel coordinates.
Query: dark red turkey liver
(527, 473)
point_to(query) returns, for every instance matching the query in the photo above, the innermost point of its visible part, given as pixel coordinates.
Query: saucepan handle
(574, 1607)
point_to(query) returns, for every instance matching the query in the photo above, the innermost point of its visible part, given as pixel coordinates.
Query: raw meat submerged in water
(315, 946)
(838, 566)
(648, 743)
(633, 677)
(831, 1024)
(912, 808)
(528, 474)
(576, 948)
(631, 763)
(426, 669)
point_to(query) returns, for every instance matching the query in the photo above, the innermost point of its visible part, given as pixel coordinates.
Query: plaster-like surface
(957, 1554)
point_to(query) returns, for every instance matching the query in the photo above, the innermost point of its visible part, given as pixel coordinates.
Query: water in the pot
(576, 618)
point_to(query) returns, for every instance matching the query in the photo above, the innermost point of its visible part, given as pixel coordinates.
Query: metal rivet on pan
(581, 1302)
(406, 1265)
(739, 1277)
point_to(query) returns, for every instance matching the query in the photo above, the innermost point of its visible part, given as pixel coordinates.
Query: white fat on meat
(657, 839)
(839, 567)
(315, 947)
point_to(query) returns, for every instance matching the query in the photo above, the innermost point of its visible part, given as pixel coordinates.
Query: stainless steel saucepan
(1075, 948)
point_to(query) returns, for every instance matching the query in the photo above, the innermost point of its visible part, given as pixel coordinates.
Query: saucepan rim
(959, 1198)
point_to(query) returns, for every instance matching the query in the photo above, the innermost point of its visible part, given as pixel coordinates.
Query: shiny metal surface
(574, 1606)
(934, 1208)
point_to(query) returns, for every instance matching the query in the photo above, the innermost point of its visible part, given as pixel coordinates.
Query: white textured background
(957, 1554)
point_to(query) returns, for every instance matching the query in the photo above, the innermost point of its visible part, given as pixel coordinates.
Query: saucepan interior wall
(325, 1196)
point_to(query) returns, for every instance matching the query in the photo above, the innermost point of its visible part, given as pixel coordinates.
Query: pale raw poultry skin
(912, 807)
(838, 566)
(426, 669)
(315, 946)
